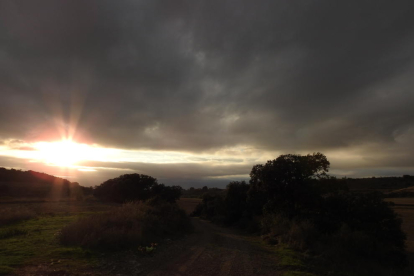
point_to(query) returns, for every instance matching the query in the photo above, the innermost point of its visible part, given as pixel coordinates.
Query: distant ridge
(31, 184)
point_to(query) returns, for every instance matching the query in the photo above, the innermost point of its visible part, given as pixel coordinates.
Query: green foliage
(134, 187)
(12, 232)
(132, 224)
(289, 258)
(5, 270)
(34, 241)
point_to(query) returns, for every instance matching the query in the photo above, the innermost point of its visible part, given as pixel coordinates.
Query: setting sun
(62, 153)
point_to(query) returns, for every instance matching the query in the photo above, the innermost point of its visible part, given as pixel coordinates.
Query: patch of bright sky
(68, 154)
(65, 153)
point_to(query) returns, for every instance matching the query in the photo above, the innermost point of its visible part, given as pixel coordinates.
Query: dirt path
(212, 250)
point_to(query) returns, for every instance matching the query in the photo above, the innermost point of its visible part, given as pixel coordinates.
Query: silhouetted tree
(167, 193)
(133, 187)
(285, 183)
(236, 201)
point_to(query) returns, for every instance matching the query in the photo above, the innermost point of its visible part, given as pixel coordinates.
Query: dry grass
(15, 214)
(127, 226)
(188, 204)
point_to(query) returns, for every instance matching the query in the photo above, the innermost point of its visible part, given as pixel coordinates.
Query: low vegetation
(129, 226)
(15, 214)
(33, 242)
(314, 223)
(199, 192)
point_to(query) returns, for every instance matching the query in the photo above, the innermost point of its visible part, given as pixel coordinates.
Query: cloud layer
(202, 76)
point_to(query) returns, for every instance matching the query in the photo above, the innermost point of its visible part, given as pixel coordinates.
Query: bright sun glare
(63, 153)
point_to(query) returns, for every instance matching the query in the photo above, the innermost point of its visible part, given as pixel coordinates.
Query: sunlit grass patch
(289, 258)
(35, 241)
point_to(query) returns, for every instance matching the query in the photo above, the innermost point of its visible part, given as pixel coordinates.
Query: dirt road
(213, 250)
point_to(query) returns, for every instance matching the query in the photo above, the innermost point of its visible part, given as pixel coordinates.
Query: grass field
(188, 204)
(34, 241)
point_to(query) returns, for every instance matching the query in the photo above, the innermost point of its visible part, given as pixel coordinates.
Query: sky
(195, 93)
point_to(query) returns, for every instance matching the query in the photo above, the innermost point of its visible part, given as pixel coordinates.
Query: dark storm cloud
(202, 75)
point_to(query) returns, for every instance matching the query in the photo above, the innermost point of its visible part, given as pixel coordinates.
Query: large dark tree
(133, 187)
(285, 183)
(236, 200)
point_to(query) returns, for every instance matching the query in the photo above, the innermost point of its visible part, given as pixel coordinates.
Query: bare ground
(210, 250)
(213, 250)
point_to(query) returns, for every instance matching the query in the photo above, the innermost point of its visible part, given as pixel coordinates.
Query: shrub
(232, 209)
(367, 223)
(130, 225)
(357, 225)
(299, 234)
(212, 208)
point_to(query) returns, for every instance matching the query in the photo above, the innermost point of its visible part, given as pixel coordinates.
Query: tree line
(293, 200)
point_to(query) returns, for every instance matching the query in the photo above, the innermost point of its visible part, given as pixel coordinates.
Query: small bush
(15, 214)
(298, 234)
(367, 226)
(130, 225)
(356, 225)
(212, 208)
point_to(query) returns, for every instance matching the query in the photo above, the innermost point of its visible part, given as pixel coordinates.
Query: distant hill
(382, 184)
(31, 184)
